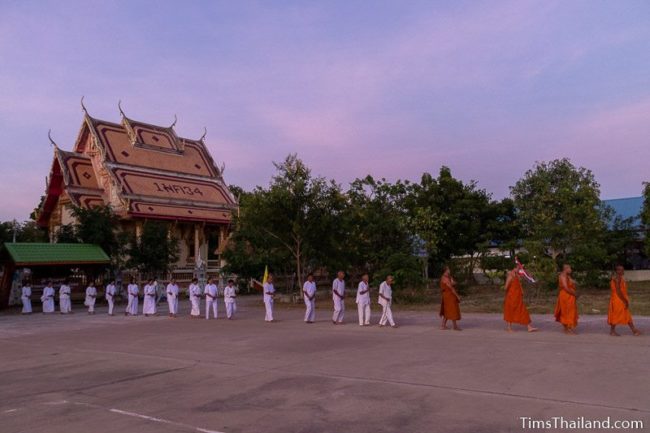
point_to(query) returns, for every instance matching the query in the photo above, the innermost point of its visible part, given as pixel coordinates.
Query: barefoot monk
(619, 304)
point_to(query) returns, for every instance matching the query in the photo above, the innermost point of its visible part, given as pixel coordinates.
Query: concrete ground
(134, 374)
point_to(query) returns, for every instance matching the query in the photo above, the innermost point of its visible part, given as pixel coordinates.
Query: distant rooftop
(629, 207)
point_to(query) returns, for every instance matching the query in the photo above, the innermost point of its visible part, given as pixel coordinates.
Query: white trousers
(231, 309)
(211, 304)
(339, 310)
(48, 305)
(386, 315)
(364, 313)
(132, 306)
(27, 304)
(196, 306)
(65, 306)
(172, 303)
(91, 305)
(268, 305)
(310, 310)
(111, 304)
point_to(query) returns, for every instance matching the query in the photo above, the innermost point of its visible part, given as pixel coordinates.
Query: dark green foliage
(67, 235)
(97, 225)
(561, 216)
(155, 251)
(405, 268)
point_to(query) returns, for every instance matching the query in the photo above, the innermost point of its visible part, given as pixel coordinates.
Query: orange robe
(449, 306)
(566, 309)
(514, 309)
(617, 313)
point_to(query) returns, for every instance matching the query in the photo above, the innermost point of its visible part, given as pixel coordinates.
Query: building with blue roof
(629, 207)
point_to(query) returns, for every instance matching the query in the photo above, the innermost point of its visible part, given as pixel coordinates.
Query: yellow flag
(266, 274)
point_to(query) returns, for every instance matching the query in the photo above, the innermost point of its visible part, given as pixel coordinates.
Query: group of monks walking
(566, 308)
(514, 307)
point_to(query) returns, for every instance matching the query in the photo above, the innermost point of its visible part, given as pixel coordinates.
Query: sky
(387, 88)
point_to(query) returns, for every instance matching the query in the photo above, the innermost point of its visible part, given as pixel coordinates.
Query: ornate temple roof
(141, 170)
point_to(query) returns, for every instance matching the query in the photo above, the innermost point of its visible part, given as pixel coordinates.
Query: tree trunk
(298, 263)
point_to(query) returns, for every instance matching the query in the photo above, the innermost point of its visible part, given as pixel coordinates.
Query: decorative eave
(53, 189)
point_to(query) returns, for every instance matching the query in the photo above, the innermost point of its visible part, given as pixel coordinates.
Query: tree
(645, 216)
(375, 224)
(6, 231)
(100, 226)
(29, 231)
(96, 225)
(154, 251)
(559, 210)
(294, 219)
(66, 234)
(453, 218)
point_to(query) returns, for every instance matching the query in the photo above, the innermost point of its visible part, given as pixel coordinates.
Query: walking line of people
(514, 308)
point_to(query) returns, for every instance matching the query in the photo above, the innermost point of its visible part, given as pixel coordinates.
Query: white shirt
(229, 293)
(64, 291)
(26, 292)
(309, 289)
(211, 292)
(338, 286)
(150, 290)
(387, 291)
(172, 290)
(268, 288)
(363, 298)
(110, 291)
(133, 289)
(48, 292)
(195, 290)
(91, 291)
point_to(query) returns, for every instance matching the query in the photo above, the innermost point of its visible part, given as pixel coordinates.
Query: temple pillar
(197, 240)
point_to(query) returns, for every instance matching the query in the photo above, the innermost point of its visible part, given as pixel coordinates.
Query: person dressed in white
(26, 298)
(47, 299)
(65, 306)
(229, 295)
(91, 297)
(172, 298)
(111, 290)
(309, 295)
(363, 301)
(149, 302)
(338, 296)
(195, 298)
(269, 293)
(133, 291)
(211, 292)
(385, 300)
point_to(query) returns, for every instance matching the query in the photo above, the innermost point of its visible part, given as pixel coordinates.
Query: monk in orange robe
(619, 304)
(514, 309)
(449, 306)
(566, 309)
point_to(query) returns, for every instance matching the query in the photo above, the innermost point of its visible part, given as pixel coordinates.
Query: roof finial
(175, 120)
(83, 107)
(119, 105)
(205, 132)
(49, 135)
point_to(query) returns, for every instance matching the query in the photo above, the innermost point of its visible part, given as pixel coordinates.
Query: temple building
(144, 172)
